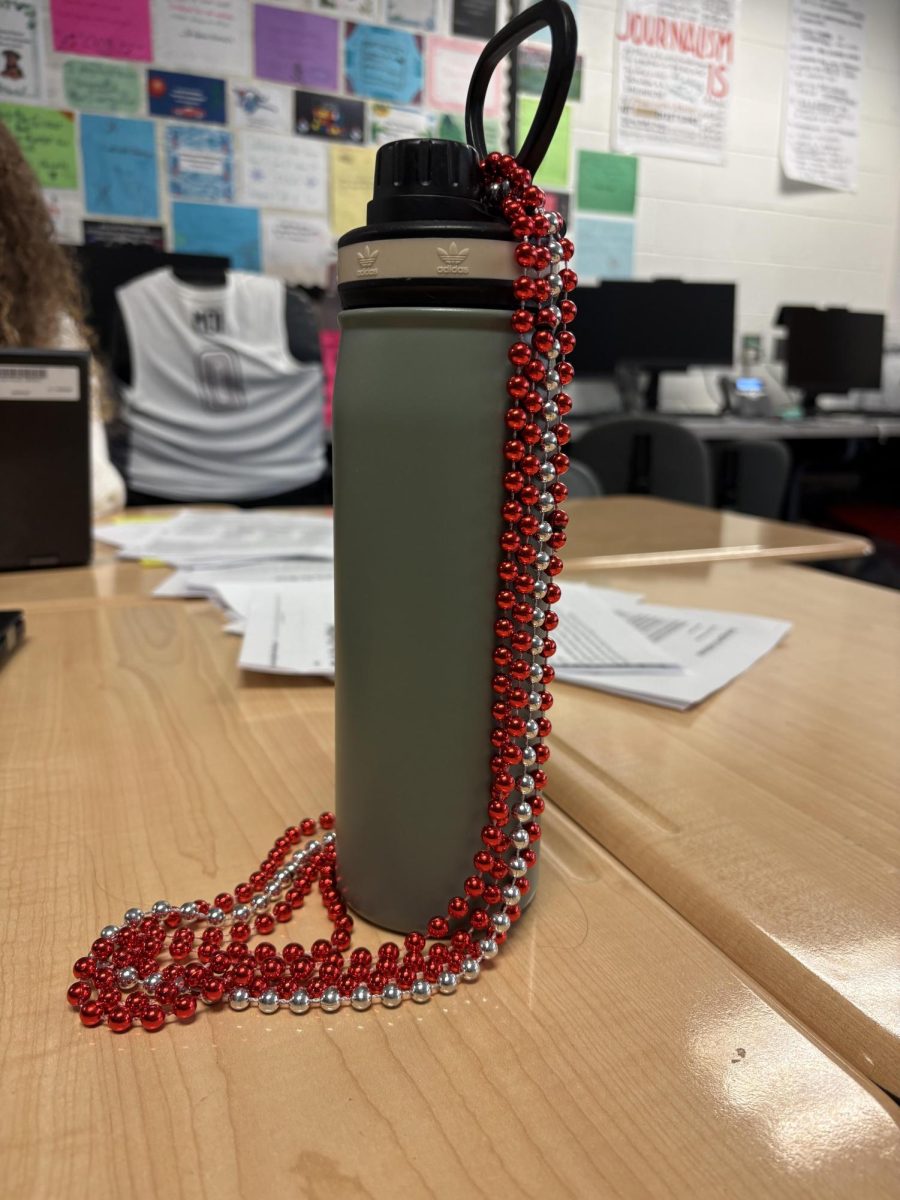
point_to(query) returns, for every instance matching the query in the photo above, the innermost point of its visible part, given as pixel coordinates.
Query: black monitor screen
(833, 350)
(663, 324)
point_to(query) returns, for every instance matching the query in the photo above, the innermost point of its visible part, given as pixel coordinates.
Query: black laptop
(45, 477)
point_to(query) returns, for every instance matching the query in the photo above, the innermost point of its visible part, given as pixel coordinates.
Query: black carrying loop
(556, 16)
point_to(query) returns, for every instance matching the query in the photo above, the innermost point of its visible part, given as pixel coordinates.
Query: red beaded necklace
(122, 982)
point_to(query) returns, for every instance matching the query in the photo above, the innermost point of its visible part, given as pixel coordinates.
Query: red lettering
(717, 81)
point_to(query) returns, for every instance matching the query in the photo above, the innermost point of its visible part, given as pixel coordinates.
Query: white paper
(199, 582)
(820, 138)
(451, 62)
(297, 249)
(347, 8)
(412, 14)
(391, 123)
(290, 630)
(284, 172)
(130, 535)
(202, 35)
(712, 647)
(674, 75)
(211, 538)
(256, 104)
(593, 636)
(66, 212)
(21, 53)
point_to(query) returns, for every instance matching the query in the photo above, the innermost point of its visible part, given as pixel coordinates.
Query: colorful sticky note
(606, 182)
(119, 158)
(384, 64)
(218, 229)
(102, 87)
(554, 171)
(296, 47)
(47, 139)
(604, 248)
(200, 162)
(186, 97)
(352, 173)
(108, 29)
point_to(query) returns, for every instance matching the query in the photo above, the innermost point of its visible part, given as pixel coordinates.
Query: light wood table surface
(611, 1052)
(619, 532)
(769, 816)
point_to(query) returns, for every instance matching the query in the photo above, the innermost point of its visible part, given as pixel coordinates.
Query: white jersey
(217, 408)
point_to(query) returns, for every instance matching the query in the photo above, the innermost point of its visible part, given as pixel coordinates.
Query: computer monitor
(658, 325)
(832, 350)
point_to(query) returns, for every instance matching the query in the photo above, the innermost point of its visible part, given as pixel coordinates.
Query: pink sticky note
(329, 339)
(103, 28)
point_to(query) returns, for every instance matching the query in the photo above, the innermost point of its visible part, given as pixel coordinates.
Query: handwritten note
(119, 157)
(820, 140)
(257, 105)
(218, 229)
(21, 52)
(102, 87)
(47, 139)
(296, 47)
(65, 211)
(384, 64)
(606, 182)
(605, 248)
(200, 163)
(103, 28)
(451, 62)
(284, 172)
(352, 172)
(204, 34)
(296, 249)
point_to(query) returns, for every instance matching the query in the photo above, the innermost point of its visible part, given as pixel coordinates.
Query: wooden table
(612, 1051)
(619, 532)
(768, 816)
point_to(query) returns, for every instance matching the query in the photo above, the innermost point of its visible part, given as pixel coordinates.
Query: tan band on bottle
(427, 258)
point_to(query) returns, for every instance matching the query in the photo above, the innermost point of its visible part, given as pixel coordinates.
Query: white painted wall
(782, 242)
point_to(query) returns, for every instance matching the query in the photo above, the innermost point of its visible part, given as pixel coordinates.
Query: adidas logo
(367, 259)
(452, 260)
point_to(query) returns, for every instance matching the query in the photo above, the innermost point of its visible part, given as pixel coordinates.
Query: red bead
(533, 197)
(499, 710)
(119, 1020)
(530, 464)
(212, 991)
(564, 403)
(307, 827)
(482, 860)
(516, 418)
(519, 354)
(438, 928)
(542, 291)
(521, 639)
(185, 1007)
(78, 993)
(500, 684)
(563, 433)
(533, 402)
(492, 894)
(541, 226)
(153, 1018)
(525, 255)
(326, 820)
(526, 556)
(546, 701)
(514, 450)
(84, 968)
(523, 227)
(531, 434)
(554, 567)
(513, 481)
(524, 288)
(569, 279)
(528, 525)
(522, 320)
(502, 656)
(480, 919)
(474, 886)
(518, 697)
(507, 570)
(541, 258)
(566, 373)
(503, 628)
(511, 510)
(530, 494)
(536, 371)
(566, 341)
(568, 248)
(568, 310)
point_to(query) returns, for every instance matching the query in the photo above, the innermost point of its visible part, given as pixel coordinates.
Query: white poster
(297, 249)
(256, 104)
(66, 211)
(21, 59)
(284, 172)
(674, 68)
(203, 35)
(820, 138)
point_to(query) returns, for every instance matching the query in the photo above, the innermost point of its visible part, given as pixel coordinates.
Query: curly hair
(38, 283)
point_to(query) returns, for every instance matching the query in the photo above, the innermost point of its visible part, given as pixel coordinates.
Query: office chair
(646, 455)
(581, 481)
(752, 477)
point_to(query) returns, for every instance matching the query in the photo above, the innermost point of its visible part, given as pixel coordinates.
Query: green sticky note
(46, 137)
(606, 182)
(102, 87)
(554, 171)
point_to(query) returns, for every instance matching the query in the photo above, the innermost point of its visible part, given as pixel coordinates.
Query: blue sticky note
(218, 229)
(604, 249)
(186, 97)
(384, 64)
(119, 157)
(200, 162)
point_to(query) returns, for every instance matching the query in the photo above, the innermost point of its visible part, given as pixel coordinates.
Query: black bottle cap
(421, 179)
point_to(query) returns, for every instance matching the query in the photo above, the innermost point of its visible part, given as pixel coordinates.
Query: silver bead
(470, 969)
(542, 558)
(551, 381)
(109, 931)
(523, 810)
(360, 998)
(549, 444)
(127, 978)
(391, 996)
(188, 911)
(152, 982)
(544, 530)
(548, 472)
(537, 644)
(553, 221)
(133, 916)
(529, 758)
(554, 352)
(534, 701)
(555, 250)
(298, 858)
(546, 503)
(328, 839)
(421, 991)
(525, 785)
(517, 867)
(241, 912)
(531, 729)
(313, 847)
(538, 617)
(259, 903)
(511, 894)
(299, 1002)
(536, 673)
(215, 916)
(268, 1002)
(283, 877)
(446, 983)
(555, 283)
(488, 947)
(240, 999)
(331, 1000)
(520, 839)
(272, 890)
(551, 416)
(501, 922)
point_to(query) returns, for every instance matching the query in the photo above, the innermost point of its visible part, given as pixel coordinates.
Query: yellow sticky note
(352, 175)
